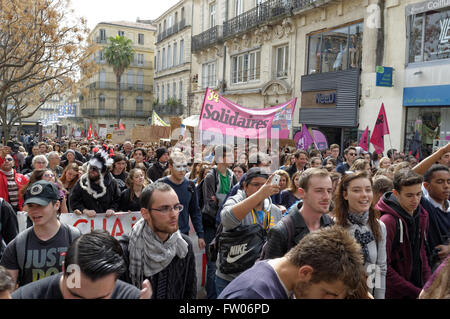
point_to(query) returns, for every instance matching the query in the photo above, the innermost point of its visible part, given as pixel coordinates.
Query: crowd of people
(278, 224)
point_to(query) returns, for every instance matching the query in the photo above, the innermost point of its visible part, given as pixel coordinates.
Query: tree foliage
(119, 54)
(43, 52)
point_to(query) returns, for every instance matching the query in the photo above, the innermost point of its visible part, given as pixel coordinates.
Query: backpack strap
(21, 242)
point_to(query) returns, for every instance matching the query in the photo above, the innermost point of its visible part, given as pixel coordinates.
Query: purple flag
(305, 139)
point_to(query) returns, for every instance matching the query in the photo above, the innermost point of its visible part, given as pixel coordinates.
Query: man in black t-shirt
(92, 266)
(38, 252)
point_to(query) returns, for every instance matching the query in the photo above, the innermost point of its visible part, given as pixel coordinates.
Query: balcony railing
(123, 86)
(207, 38)
(169, 110)
(112, 113)
(101, 40)
(262, 13)
(172, 30)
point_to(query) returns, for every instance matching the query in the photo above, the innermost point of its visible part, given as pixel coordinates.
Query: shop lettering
(432, 5)
(225, 117)
(326, 98)
(445, 27)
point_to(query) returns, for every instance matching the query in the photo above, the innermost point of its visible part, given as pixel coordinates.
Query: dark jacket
(177, 281)
(78, 157)
(292, 170)
(9, 227)
(81, 199)
(127, 204)
(277, 237)
(156, 171)
(399, 252)
(342, 167)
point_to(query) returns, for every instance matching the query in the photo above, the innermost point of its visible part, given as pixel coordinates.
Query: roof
(149, 27)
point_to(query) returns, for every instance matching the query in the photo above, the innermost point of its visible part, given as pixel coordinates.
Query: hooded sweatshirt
(407, 262)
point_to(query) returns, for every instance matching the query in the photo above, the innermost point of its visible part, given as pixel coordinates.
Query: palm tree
(119, 54)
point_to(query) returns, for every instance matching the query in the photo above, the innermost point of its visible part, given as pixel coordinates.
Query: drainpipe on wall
(380, 36)
(222, 88)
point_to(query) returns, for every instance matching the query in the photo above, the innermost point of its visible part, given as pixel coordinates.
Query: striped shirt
(13, 189)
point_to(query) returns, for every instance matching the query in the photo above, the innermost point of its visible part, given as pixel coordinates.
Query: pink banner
(224, 117)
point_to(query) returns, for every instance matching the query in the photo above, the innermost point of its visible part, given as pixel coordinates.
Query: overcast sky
(96, 11)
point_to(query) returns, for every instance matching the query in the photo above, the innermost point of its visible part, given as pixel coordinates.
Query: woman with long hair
(204, 169)
(70, 176)
(129, 198)
(354, 210)
(291, 195)
(138, 156)
(285, 183)
(361, 165)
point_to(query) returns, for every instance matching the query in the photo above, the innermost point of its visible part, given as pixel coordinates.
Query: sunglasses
(9, 159)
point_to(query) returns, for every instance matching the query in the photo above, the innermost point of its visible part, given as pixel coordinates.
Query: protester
(301, 159)
(381, 184)
(70, 176)
(310, 214)
(349, 155)
(216, 185)
(53, 163)
(406, 225)
(315, 162)
(249, 206)
(187, 195)
(138, 157)
(385, 162)
(96, 192)
(119, 170)
(325, 264)
(361, 165)
(284, 183)
(8, 224)
(33, 254)
(92, 265)
(204, 169)
(291, 195)
(156, 171)
(39, 162)
(127, 149)
(28, 167)
(10, 181)
(334, 150)
(353, 210)
(70, 158)
(239, 170)
(438, 286)
(157, 250)
(130, 197)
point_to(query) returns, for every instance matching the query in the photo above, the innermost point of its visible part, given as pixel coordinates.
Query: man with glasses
(10, 180)
(349, 155)
(187, 194)
(157, 250)
(251, 205)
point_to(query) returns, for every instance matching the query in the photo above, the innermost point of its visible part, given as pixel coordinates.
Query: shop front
(426, 95)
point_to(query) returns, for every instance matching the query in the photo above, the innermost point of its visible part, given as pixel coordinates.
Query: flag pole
(390, 143)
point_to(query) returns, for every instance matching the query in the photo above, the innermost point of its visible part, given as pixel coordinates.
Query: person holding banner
(96, 192)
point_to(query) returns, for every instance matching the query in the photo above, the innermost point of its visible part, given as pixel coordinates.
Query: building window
(335, 50)
(429, 35)
(141, 39)
(245, 67)
(130, 79)
(122, 102)
(282, 61)
(101, 101)
(181, 51)
(102, 35)
(139, 105)
(174, 90)
(121, 33)
(209, 75)
(238, 9)
(180, 93)
(158, 61)
(140, 59)
(162, 95)
(168, 90)
(175, 62)
(169, 57)
(163, 59)
(102, 79)
(140, 80)
(212, 15)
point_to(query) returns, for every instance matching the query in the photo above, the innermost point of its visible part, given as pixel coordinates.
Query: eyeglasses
(9, 159)
(168, 209)
(49, 175)
(38, 162)
(352, 154)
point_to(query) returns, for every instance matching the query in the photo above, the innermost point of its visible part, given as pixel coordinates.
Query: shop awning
(436, 95)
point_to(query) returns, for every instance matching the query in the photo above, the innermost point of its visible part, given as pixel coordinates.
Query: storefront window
(429, 35)
(430, 124)
(335, 50)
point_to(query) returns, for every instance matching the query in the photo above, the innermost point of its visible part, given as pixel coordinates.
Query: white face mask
(180, 167)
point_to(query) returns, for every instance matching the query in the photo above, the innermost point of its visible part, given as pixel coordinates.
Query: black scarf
(362, 238)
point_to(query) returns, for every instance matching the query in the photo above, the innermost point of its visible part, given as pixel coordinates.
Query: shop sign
(319, 99)
(384, 76)
(425, 6)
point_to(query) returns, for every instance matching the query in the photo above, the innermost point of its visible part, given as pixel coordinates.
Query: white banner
(117, 225)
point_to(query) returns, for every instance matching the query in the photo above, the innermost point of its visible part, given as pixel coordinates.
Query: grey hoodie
(229, 221)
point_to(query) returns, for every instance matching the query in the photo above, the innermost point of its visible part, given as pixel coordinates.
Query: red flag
(95, 133)
(364, 141)
(89, 132)
(381, 128)
(121, 127)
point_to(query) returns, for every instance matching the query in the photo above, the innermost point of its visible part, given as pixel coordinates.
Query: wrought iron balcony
(261, 14)
(207, 38)
(123, 86)
(172, 30)
(169, 110)
(112, 113)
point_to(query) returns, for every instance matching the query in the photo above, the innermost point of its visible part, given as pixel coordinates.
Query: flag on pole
(364, 141)
(156, 120)
(381, 128)
(305, 138)
(89, 131)
(121, 125)
(95, 133)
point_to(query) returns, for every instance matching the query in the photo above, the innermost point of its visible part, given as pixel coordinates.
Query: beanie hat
(160, 152)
